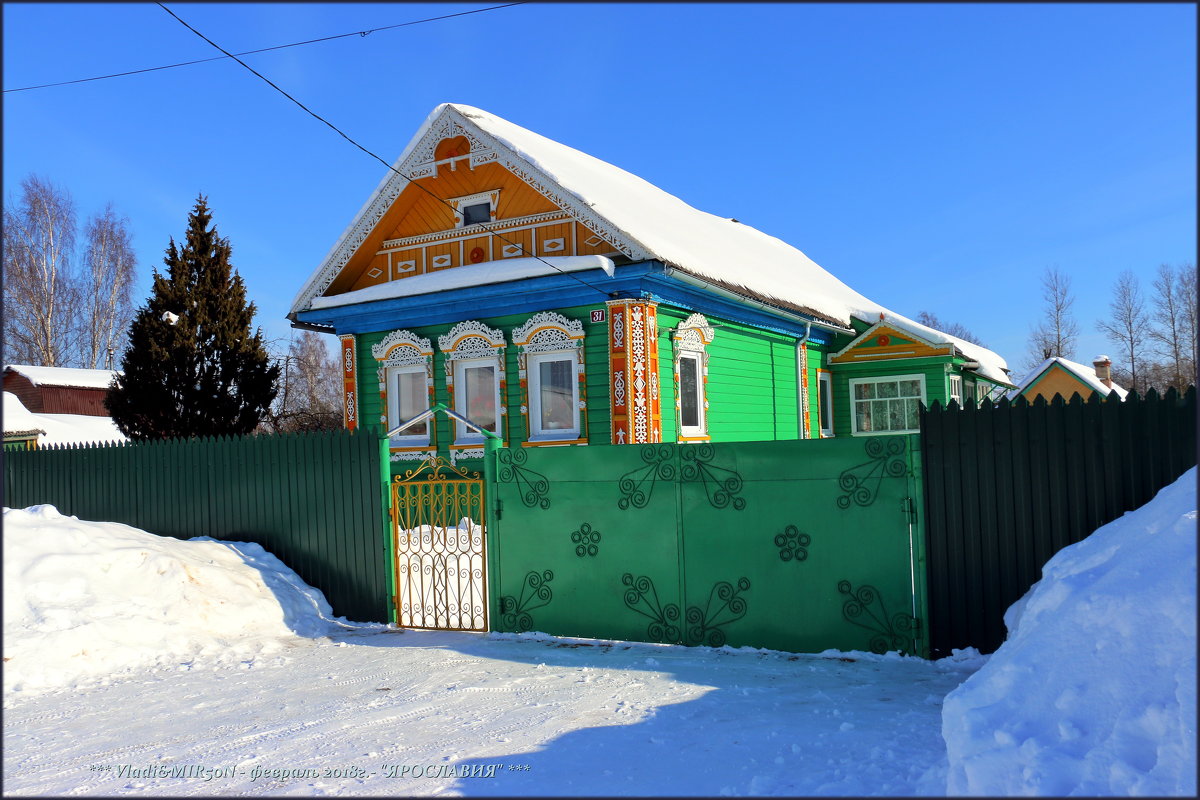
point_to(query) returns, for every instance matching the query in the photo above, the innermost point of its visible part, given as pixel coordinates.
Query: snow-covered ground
(136, 664)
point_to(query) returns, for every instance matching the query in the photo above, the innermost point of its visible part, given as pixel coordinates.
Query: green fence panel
(798, 546)
(311, 499)
(1007, 486)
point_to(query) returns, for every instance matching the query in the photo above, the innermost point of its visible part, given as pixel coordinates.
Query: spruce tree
(193, 367)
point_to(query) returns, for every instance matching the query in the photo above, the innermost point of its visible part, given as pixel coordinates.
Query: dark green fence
(1009, 485)
(315, 500)
(798, 545)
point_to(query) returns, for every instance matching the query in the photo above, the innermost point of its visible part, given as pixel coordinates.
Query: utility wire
(264, 49)
(373, 155)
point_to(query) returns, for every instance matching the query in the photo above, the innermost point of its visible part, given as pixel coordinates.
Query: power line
(373, 155)
(362, 34)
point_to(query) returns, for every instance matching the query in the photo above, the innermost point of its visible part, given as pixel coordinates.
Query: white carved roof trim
(419, 153)
(450, 341)
(572, 328)
(382, 349)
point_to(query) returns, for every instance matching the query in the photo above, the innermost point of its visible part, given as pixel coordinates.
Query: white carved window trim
(393, 408)
(467, 344)
(856, 402)
(542, 336)
(691, 339)
(491, 197)
(402, 351)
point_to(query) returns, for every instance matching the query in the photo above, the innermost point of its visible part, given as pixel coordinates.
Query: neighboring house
(1058, 376)
(558, 300)
(59, 390)
(47, 429)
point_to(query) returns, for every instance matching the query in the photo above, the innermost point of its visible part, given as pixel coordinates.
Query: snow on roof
(58, 428)
(65, 376)
(1085, 374)
(665, 228)
(18, 419)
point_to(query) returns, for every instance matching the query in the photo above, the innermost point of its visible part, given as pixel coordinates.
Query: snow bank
(1094, 692)
(84, 601)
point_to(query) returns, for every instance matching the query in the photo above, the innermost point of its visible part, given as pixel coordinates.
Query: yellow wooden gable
(882, 342)
(422, 230)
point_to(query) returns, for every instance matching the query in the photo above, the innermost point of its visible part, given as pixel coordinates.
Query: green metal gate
(801, 545)
(439, 546)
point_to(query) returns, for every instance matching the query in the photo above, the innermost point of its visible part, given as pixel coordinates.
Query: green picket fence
(791, 545)
(318, 501)
(1009, 485)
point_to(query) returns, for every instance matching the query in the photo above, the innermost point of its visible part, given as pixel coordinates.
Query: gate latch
(908, 507)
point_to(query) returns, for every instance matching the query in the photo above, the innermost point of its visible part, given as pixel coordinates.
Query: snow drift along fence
(1009, 485)
(315, 500)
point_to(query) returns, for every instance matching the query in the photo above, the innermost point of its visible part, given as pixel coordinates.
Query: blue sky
(934, 157)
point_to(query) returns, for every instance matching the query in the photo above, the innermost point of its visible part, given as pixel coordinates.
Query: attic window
(475, 209)
(474, 214)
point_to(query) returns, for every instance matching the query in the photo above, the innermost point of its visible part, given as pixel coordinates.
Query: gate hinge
(909, 507)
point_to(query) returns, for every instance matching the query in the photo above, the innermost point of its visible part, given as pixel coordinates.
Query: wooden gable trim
(1085, 390)
(419, 161)
(915, 347)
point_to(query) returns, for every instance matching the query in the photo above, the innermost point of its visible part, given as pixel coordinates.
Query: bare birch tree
(1187, 304)
(310, 388)
(1128, 327)
(1057, 332)
(108, 271)
(1167, 332)
(40, 288)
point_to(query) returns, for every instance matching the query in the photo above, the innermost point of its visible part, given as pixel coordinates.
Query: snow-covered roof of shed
(1085, 374)
(65, 376)
(660, 226)
(18, 420)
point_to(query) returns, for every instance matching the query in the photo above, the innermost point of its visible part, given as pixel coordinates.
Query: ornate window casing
(349, 381)
(475, 382)
(472, 201)
(553, 381)
(405, 367)
(691, 339)
(634, 397)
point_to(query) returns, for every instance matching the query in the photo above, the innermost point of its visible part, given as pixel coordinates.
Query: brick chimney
(1103, 367)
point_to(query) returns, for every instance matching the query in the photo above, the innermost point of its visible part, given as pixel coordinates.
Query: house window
(825, 403)
(956, 394)
(475, 382)
(408, 396)
(691, 339)
(477, 398)
(474, 214)
(550, 362)
(553, 397)
(981, 391)
(474, 209)
(886, 405)
(691, 395)
(406, 389)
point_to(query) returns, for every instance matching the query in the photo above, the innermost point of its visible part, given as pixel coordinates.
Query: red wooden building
(59, 390)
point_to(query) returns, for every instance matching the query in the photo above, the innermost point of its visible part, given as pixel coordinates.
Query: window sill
(551, 442)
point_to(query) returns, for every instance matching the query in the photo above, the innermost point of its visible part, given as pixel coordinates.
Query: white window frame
(982, 390)
(393, 406)
(954, 389)
(471, 343)
(882, 379)
(402, 350)
(460, 204)
(534, 382)
(825, 403)
(693, 431)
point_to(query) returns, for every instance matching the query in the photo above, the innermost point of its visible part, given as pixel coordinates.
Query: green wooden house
(558, 300)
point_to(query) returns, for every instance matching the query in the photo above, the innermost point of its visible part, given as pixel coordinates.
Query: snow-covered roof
(58, 428)
(648, 224)
(1085, 374)
(18, 420)
(65, 376)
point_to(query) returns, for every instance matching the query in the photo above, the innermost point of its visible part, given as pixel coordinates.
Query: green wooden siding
(933, 370)
(752, 388)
